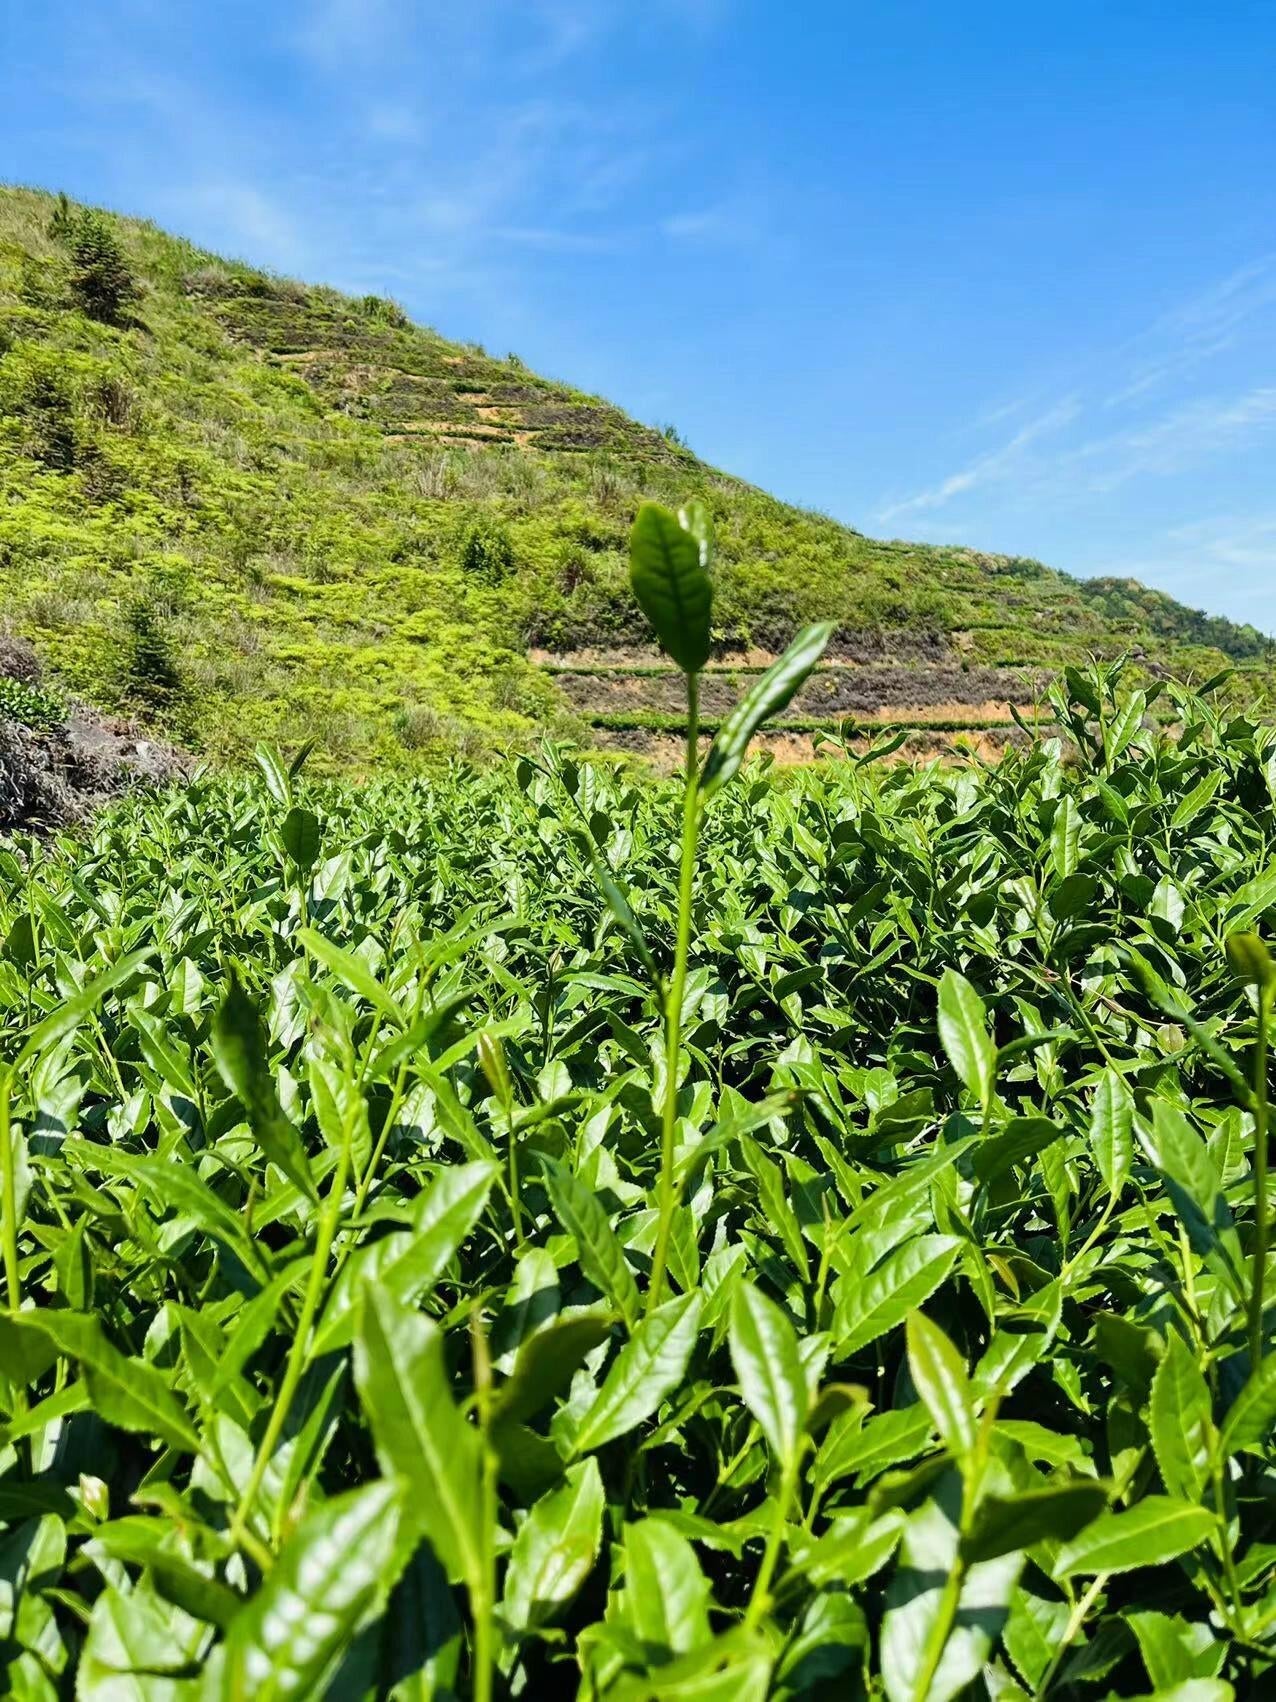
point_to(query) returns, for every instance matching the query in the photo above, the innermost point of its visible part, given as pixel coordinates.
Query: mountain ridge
(250, 508)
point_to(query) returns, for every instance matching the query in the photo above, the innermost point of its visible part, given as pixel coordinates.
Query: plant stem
(329, 1214)
(9, 1197)
(760, 1597)
(483, 1591)
(677, 990)
(1259, 1276)
(1076, 1619)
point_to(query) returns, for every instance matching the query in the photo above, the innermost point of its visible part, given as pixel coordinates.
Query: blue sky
(1001, 275)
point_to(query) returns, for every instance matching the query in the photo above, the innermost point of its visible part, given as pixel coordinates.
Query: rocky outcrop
(52, 777)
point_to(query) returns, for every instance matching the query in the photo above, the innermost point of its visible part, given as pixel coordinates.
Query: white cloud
(1181, 438)
(997, 464)
(1070, 448)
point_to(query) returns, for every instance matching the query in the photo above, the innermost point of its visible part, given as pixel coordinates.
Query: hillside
(243, 507)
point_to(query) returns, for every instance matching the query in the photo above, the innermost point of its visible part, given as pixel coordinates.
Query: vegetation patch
(455, 1245)
(234, 449)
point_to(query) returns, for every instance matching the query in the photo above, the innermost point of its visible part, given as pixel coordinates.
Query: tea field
(548, 1232)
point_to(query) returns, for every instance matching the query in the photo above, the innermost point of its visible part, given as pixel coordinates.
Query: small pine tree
(62, 218)
(101, 281)
(50, 416)
(151, 678)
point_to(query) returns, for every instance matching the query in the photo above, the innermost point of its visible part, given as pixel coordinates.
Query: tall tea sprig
(670, 558)
(1252, 963)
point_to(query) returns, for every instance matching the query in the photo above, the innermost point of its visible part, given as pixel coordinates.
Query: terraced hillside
(241, 507)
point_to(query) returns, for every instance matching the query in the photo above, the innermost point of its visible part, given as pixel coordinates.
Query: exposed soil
(664, 751)
(886, 692)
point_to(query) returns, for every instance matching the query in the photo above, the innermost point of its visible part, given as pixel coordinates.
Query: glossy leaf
(668, 570)
(1156, 1530)
(650, 1364)
(768, 1366)
(770, 693)
(328, 1578)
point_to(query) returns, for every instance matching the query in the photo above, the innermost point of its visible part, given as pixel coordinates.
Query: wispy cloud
(723, 222)
(1075, 446)
(997, 464)
(1198, 329)
(1183, 437)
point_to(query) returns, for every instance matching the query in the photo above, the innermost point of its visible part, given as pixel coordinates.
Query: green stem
(483, 1591)
(9, 1198)
(1224, 1543)
(329, 1215)
(972, 1475)
(1076, 1619)
(1260, 1182)
(760, 1597)
(511, 1135)
(673, 1007)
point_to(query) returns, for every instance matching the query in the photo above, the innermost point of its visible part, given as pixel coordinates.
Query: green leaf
(1111, 1131)
(238, 1041)
(666, 1599)
(903, 1281)
(1175, 1650)
(918, 1663)
(1179, 1416)
(555, 1550)
(124, 1391)
(547, 1361)
(1250, 960)
(776, 1212)
(598, 1248)
(650, 1365)
(419, 1432)
(1251, 1418)
(1021, 1138)
(70, 1013)
(769, 1369)
(1127, 722)
(353, 973)
(25, 1353)
(327, 1580)
(767, 696)
(1065, 838)
(963, 1032)
(148, 1543)
(668, 570)
(406, 1266)
(1158, 1529)
(1055, 1513)
(939, 1376)
(301, 837)
(1195, 1187)
(278, 780)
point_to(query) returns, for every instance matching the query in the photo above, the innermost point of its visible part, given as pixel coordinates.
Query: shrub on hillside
(486, 551)
(101, 281)
(29, 705)
(45, 405)
(384, 310)
(149, 676)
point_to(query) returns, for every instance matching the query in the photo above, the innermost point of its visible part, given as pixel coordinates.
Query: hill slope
(250, 508)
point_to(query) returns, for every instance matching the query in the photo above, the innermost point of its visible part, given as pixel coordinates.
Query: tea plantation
(457, 1244)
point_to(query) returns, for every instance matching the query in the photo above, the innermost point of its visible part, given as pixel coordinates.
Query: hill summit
(237, 507)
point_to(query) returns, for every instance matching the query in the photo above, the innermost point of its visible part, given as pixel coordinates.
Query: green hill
(245, 507)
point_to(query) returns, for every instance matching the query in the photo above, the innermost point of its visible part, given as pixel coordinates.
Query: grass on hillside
(250, 508)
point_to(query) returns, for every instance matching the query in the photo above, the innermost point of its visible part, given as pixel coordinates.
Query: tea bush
(458, 1243)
